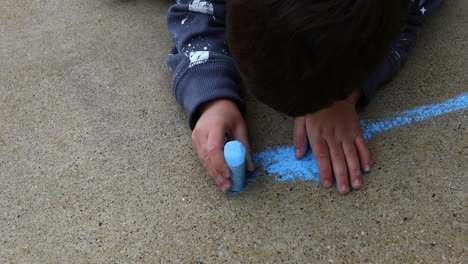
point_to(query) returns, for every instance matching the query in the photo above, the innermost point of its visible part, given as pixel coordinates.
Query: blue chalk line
(281, 162)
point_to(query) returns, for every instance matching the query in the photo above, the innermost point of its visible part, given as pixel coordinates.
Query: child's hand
(336, 139)
(219, 119)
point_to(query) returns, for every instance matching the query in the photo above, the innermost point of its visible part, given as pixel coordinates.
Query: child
(314, 60)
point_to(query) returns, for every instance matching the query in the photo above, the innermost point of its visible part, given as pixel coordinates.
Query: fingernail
(225, 188)
(327, 184)
(343, 188)
(367, 169)
(357, 184)
(219, 179)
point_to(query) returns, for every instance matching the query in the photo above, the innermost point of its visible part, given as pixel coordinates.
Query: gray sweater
(203, 69)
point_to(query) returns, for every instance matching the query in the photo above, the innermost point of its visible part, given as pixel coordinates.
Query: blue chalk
(235, 156)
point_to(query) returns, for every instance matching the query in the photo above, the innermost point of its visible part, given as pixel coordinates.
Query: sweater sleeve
(398, 56)
(200, 62)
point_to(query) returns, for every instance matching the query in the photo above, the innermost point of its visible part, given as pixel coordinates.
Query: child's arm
(202, 67)
(205, 82)
(334, 133)
(398, 56)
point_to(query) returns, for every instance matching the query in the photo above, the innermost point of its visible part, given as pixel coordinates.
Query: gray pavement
(96, 164)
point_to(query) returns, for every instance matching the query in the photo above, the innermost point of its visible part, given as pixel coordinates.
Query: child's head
(299, 56)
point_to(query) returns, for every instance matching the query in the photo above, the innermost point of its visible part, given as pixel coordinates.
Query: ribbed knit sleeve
(398, 56)
(200, 61)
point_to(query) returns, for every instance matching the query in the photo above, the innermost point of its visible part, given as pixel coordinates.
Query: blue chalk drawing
(280, 161)
(369, 127)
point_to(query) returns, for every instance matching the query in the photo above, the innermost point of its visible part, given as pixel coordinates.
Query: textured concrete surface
(96, 164)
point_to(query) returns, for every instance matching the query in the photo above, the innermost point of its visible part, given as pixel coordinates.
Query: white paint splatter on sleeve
(198, 57)
(201, 6)
(183, 21)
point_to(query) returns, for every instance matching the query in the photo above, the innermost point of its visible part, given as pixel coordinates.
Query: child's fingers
(339, 166)
(363, 152)
(214, 159)
(300, 137)
(322, 155)
(240, 134)
(199, 142)
(354, 167)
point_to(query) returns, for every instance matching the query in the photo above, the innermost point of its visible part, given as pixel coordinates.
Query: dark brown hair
(299, 56)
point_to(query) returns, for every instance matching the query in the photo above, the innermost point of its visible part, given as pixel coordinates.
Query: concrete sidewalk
(96, 164)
